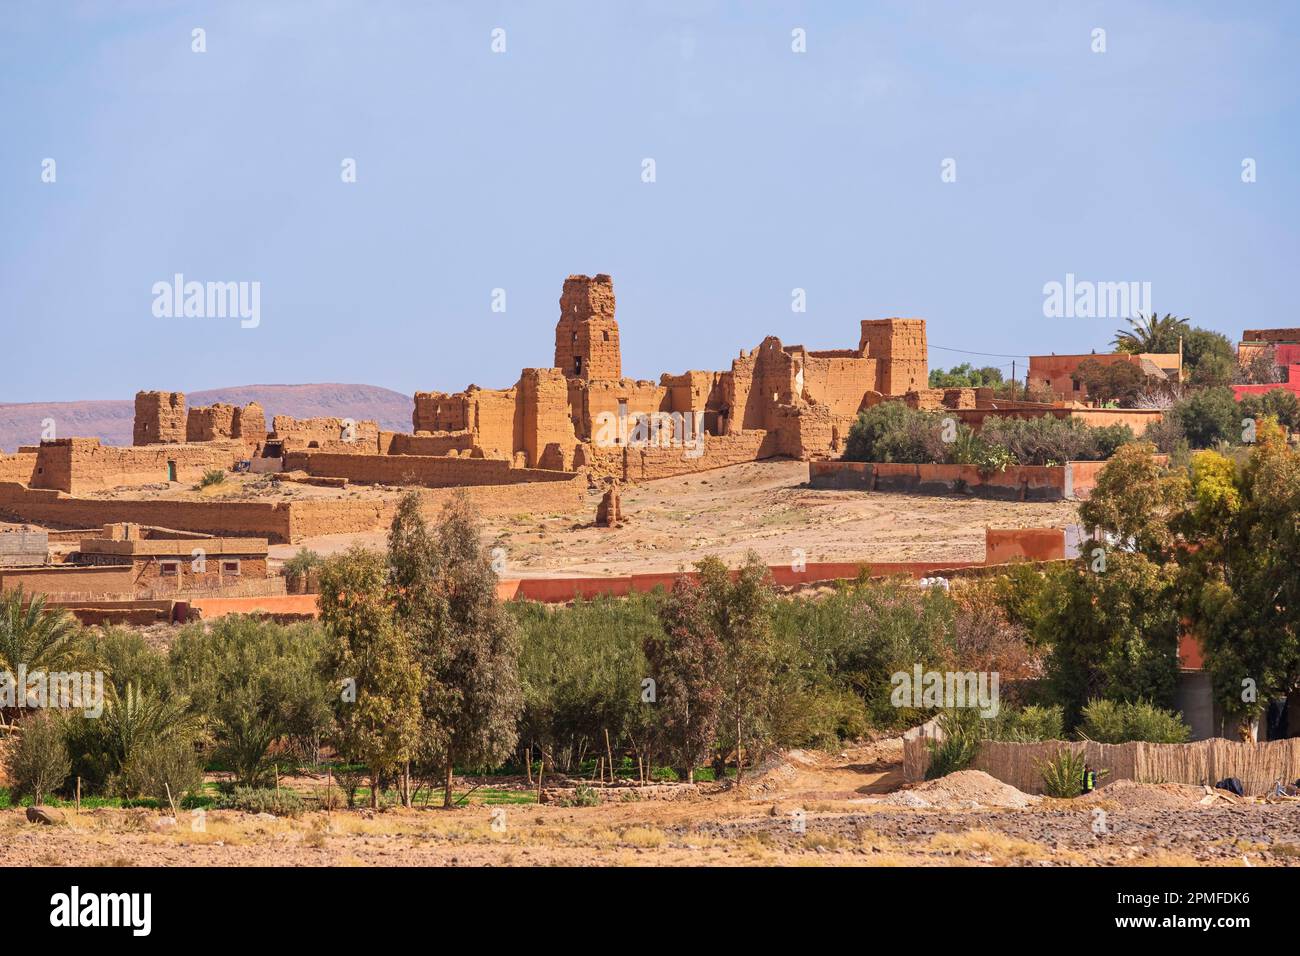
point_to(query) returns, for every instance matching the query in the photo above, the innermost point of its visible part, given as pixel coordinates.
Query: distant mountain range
(111, 421)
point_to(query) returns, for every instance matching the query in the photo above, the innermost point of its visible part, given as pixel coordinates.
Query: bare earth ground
(765, 506)
(846, 822)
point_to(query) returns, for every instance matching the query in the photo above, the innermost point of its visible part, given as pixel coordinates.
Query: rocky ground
(807, 808)
(765, 506)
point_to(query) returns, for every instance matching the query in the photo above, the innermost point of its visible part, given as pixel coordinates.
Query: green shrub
(583, 796)
(891, 431)
(282, 803)
(128, 659)
(100, 748)
(349, 781)
(302, 562)
(1031, 725)
(1117, 722)
(213, 476)
(1208, 416)
(253, 684)
(37, 763)
(159, 769)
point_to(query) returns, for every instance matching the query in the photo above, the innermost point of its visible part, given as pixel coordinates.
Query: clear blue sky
(476, 171)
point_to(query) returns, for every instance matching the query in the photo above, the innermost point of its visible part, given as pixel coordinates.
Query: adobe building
(1285, 346)
(126, 560)
(162, 559)
(1055, 373)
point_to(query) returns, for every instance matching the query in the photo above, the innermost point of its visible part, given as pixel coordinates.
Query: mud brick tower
(160, 418)
(586, 337)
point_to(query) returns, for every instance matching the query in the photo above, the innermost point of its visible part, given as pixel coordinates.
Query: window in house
(606, 335)
(229, 567)
(169, 569)
(577, 365)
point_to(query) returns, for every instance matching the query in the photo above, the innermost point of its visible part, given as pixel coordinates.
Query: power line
(969, 352)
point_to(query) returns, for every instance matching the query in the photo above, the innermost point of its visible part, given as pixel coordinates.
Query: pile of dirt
(965, 789)
(1131, 795)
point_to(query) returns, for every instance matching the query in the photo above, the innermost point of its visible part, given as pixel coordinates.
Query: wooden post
(78, 794)
(610, 752)
(167, 787)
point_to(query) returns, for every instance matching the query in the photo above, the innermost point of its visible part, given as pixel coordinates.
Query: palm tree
(1150, 334)
(34, 637)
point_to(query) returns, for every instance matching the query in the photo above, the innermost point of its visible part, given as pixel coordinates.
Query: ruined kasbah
(567, 438)
(109, 530)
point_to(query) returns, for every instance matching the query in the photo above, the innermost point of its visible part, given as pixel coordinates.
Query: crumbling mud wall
(79, 465)
(20, 467)
(284, 522)
(430, 471)
(159, 418)
(240, 518)
(314, 517)
(222, 422)
(339, 435)
(645, 463)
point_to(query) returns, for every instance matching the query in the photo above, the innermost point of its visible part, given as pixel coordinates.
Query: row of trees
(416, 668)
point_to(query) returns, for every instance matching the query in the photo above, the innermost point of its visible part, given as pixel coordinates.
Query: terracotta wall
(1074, 480)
(1035, 544)
(1018, 483)
(1023, 544)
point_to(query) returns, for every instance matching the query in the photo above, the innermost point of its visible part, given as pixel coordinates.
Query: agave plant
(1063, 774)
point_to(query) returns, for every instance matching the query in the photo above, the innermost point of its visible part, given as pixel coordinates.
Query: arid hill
(110, 421)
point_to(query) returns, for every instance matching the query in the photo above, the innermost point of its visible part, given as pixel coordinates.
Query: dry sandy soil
(806, 809)
(765, 506)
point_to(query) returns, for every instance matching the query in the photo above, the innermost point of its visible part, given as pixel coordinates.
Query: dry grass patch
(644, 837)
(999, 846)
